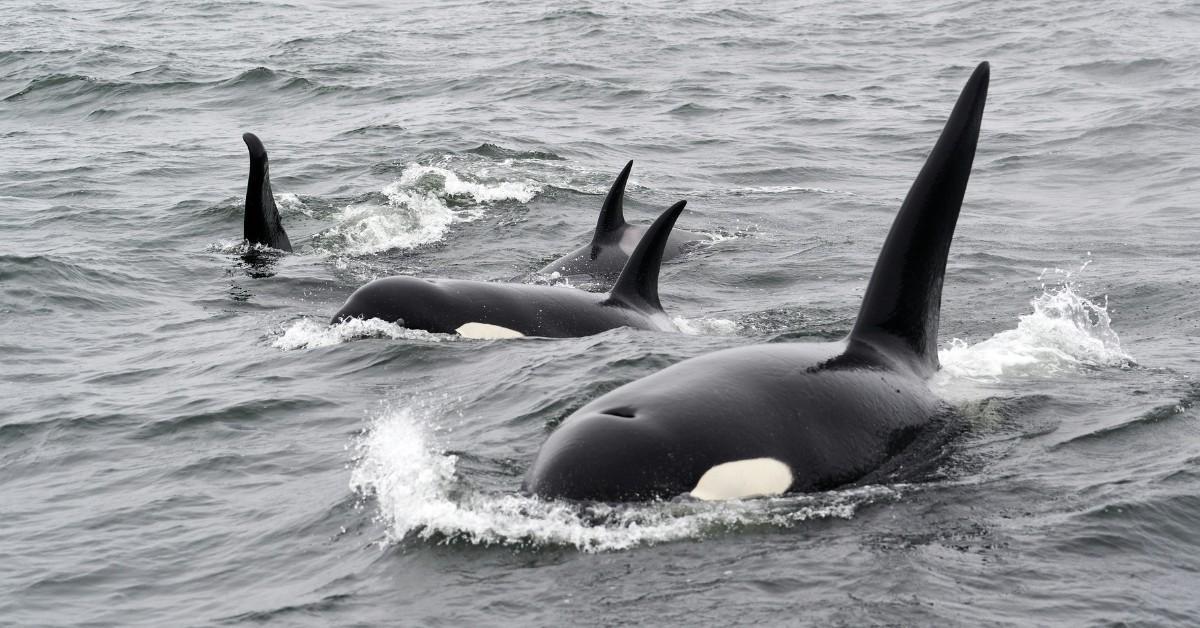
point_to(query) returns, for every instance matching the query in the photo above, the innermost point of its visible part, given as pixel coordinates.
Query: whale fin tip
(612, 213)
(638, 283)
(904, 296)
(262, 223)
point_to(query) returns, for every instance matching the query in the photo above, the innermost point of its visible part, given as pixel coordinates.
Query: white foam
(454, 186)
(420, 496)
(1064, 332)
(784, 189)
(228, 246)
(715, 236)
(290, 202)
(420, 209)
(309, 334)
(705, 326)
(240, 247)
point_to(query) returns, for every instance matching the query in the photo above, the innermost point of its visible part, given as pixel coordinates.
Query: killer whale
(262, 224)
(481, 309)
(603, 258)
(788, 417)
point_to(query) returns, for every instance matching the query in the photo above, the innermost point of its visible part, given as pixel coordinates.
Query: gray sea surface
(184, 441)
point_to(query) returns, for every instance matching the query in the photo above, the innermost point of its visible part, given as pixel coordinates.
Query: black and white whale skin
(790, 417)
(478, 309)
(613, 241)
(262, 225)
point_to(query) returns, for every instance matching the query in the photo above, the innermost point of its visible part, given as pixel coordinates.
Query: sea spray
(420, 496)
(1064, 332)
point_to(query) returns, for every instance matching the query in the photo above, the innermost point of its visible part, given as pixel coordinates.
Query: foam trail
(309, 334)
(705, 326)
(1064, 332)
(454, 186)
(420, 496)
(420, 209)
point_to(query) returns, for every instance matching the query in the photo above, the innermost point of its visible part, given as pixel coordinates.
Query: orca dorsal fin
(612, 213)
(262, 225)
(638, 284)
(904, 298)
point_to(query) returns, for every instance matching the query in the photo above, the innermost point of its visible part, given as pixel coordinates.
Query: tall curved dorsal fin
(638, 284)
(612, 213)
(262, 225)
(904, 298)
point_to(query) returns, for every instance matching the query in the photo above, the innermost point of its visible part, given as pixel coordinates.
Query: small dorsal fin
(262, 225)
(638, 284)
(612, 214)
(904, 298)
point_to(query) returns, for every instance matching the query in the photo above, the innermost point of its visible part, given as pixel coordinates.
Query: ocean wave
(51, 81)
(43, 284)
(160, 79)
(1123, 431)
(57, 86)
(493, 151)
(420, 496)
(1119, 68)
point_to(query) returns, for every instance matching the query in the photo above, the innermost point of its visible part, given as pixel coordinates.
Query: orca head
(619, 452)
(609, 454)
(400, 300)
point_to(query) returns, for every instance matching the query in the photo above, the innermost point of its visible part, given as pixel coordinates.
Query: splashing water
(705, 326)
(309, 334)
(420, 497)
(1064, 332)
(454, 188)
(420, 209)
(292, 203)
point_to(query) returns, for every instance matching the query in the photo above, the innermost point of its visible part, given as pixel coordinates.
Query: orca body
(481, 309)
(614, 240)
(262, 224)
(795, 417)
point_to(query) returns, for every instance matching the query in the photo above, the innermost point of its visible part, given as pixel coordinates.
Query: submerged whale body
(776, 418)
(262, 223)
(614, 240)
(479, 309)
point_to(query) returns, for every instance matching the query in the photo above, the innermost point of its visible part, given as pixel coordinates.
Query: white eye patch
(754, 477)
(484, 331)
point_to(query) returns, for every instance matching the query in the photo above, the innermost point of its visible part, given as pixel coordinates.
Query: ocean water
(184, 441)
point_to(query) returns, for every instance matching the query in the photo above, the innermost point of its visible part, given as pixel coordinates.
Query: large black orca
(604, 257)
(479, 309)
(262, 225)
(789, 417)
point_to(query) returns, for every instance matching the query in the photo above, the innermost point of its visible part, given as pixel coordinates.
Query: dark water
(185, 443)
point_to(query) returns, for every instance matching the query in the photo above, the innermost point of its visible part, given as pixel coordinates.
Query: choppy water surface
(184, 441)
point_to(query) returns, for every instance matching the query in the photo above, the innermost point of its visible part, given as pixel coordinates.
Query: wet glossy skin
(830, 416)
(603, 262)
(444, 305)
(613, 241)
